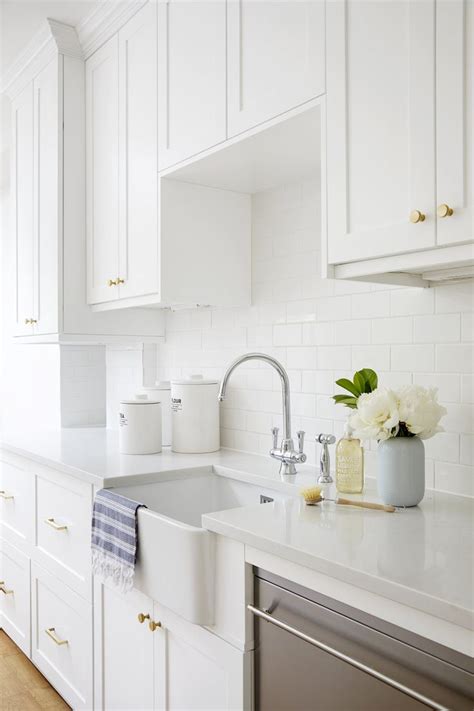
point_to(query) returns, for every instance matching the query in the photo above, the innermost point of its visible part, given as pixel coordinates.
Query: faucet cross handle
(300, 434)
(275, 431)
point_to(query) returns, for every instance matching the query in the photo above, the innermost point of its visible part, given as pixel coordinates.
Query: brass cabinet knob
(120, 281)
(4, 590)
(33, 320)
(141, 617)
(444, 210)
(154, 625)
(27, 321)
(417, 216)
(112, 282)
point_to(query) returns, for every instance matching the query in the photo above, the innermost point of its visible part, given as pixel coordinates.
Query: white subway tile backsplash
(467, 327)
(454, 358)
(375, 357)
(440, 327)
(408, 302)
(443, 447)
(398, 329)
(455, 478)
(467, 450)
(322, 330)
(455, 298)
(370, 306)
(334, 358)
(352, 332)
(303, 358)
(413, 358)
(287, 335)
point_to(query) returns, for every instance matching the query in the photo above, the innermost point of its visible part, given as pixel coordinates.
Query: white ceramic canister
(195, 415)
(161, 391)
(140, 426)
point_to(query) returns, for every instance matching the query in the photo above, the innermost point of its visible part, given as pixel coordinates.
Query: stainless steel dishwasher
(314, 653)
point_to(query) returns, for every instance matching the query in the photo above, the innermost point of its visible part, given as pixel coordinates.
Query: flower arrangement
(382, 413)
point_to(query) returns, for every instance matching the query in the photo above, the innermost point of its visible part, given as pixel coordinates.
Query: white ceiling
(21, 19)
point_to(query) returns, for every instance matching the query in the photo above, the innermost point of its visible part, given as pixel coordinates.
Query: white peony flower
(376, 416)
(419, 410)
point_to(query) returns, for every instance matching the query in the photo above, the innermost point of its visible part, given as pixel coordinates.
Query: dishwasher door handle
(264, 615)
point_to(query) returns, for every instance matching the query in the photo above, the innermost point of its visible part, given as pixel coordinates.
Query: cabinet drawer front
(16, 504)
(15, 595)
(62, 637)
(63, 519)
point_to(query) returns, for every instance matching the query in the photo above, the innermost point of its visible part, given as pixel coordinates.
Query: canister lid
(140, 399)
(195, 379)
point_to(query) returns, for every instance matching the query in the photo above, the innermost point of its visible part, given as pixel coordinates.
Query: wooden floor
(22, 687)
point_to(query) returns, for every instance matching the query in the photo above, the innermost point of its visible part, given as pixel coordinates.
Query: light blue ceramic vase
(401, 471)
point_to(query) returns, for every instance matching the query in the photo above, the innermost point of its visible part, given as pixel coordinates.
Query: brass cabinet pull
(444, 210)
(31, 321)
(51, 632)
(265, 615)
(4, 495)
(417, 216)
(4, 590)
(112, 282)
(153, 625)
(120, 281)
(141, 617)
(57, 527)
(27, 321)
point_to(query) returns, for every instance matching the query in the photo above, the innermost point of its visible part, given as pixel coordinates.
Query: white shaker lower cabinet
(62, 646)
(15, 595)
(191, 78)
(123, 647)
(275, 58)
(146, 657)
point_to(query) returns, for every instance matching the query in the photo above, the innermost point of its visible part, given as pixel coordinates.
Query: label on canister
(176, 404)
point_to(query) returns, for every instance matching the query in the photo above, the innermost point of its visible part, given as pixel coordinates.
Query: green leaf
(371, 379)
(359, 381)
(345, 400)
(348, 385)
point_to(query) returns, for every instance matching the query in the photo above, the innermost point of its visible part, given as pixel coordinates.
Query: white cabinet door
(15, 595)
(22, 213)
(195, 669)
(275, 58)
(102, 176)
(138, 229)
(61, 637)
(454, 127)
(191, 77)
(125, 648)
(46, 199)
(380, 127)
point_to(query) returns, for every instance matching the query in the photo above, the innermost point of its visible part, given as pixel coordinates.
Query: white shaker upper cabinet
(454, 128)
(275, 58)
(380, 128)
(102, 175)
(47, 135)
(138, 166)
(191, 78)
(22, 213)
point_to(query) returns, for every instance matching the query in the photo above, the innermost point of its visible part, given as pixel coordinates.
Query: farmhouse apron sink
(175, 564)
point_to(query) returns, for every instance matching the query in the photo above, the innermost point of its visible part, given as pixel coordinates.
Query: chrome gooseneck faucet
(286, 453)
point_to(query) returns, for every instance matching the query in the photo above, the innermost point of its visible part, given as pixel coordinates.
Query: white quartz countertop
(421, 557)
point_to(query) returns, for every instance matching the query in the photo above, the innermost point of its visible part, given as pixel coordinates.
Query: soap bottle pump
(349, 464)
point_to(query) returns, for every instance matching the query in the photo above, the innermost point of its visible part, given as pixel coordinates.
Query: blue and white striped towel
(115, 537)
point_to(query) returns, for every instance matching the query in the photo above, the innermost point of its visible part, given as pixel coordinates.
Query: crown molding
(52, 38)
(104, 22)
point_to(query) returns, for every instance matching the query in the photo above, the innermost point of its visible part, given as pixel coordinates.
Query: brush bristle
(311, 495)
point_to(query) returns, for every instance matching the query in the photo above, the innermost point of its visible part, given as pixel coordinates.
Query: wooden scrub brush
(312, 496)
